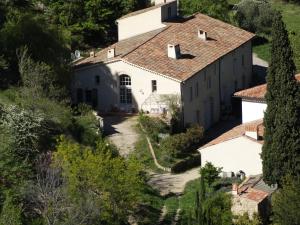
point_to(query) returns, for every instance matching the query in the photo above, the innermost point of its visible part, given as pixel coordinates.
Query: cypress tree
(281, 149)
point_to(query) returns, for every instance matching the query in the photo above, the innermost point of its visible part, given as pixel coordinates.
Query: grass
(291, 17)
(142, 152)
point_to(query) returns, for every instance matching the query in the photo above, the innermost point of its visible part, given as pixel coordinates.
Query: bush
(153, 126)
(255, 16)
(186, 164)
(210, 173)
(180, 145)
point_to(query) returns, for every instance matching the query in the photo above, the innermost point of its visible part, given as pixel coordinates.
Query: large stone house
(201, 60)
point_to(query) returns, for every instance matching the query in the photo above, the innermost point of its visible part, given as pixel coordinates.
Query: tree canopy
(281, 149)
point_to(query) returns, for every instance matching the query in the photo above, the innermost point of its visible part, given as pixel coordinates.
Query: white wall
(139, 24)
(253, 110)
(108, 90)
(233, 155)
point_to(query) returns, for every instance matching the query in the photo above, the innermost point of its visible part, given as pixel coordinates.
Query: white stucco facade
(234, 155)
(252, 110)
(147, 21)
(108, 88)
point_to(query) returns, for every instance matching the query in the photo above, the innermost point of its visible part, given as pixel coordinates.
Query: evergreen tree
(281, 149)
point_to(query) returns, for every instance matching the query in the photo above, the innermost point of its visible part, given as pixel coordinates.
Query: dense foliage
(281, 149)
(182, 144)
(218, 9)
(286, 202)
(255, 16)
(89, 23)
(211, 206)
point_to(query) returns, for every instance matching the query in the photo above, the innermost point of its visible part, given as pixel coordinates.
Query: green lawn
(291, 17)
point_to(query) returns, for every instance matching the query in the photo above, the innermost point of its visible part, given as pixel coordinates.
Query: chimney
(235, 189)
(111, 53)
(92, 54)
(202, 34)
(174, 51)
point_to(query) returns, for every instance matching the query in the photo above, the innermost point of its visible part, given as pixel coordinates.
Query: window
(243, 60)
(191, 93)
(198, 116)
(169, 12)
(154, 85)
(125, 89)
(79, 95)
(204, 77)
(235, 85)
(125, 80)
(197, 90)
(208, 82)
(244, 81)
(97, 80)
(88, 96)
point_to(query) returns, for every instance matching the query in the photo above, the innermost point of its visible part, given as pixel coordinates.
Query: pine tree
(281, 149)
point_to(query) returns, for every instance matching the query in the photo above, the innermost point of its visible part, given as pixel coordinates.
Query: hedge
(186, 164)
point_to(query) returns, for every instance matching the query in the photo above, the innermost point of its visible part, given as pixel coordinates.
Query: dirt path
(168, 183)
(120, 131)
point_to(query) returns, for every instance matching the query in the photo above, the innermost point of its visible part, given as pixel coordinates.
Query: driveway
(121, 132)
(168, 183)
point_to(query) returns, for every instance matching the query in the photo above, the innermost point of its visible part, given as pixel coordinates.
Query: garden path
(168, 183)
(121, 132)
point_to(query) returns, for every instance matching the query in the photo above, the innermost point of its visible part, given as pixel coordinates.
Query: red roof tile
(257, 92)
(151, 52)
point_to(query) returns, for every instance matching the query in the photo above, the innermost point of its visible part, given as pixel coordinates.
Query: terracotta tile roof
(253, 125)
(254, 188)
(196, 53)
(257, 92)
(255, 195)
(238, 131)
(232, 133)
(121, 48)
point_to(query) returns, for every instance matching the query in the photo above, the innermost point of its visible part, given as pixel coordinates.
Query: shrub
(180, 145)
(186, 164)
(153, 126)
(255, 16)
(210, 173)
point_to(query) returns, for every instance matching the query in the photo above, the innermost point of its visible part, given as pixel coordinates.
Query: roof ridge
(132, 50)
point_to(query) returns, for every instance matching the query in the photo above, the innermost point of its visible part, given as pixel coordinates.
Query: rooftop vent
(111, 53)
(92, 54)
(202, 34)
(173, 51)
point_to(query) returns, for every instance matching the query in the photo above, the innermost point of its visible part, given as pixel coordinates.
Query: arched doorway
(125, 91)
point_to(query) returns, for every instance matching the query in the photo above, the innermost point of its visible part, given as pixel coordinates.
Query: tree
(255, 16)
(112, 182)
(11, 213)
(215, 8)
(245, 220)
(210, 173)
(281, 149)
(286, 202)
(90, 23)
